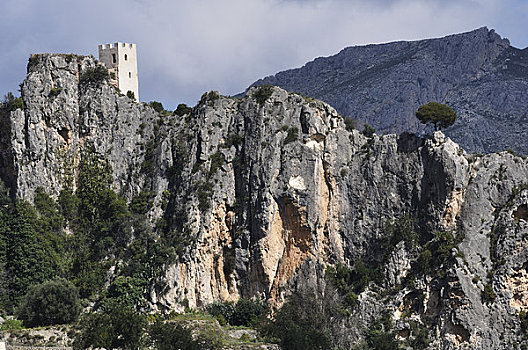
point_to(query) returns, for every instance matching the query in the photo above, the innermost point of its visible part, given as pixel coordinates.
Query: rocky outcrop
(262, 193)
(64, 117)
(477, 73)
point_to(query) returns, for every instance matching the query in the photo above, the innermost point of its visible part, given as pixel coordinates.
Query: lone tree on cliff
(439, 114)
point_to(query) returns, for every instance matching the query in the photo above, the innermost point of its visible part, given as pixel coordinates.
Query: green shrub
(234, 140)
(217, 160)
(488, 294)
(169, 336)
(182, 109)
(124, 291)
(119, 327)
(424, 261)
(248, 312)
(95, 75)
(204, 193)
(12, 103)
(222, 310)
(263, 93)
(420, 336)
(54, 92)
(350, 124)
(141, 203)
(301, 323)
(53, 302)
(130, 95)
(380, 336)
(10, 325)
(401, 229)
(157, 106)
(293, 135)
(368, 130)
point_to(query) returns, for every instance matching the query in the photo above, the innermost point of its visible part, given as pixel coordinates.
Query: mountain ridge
(269, 196)
(476, 73)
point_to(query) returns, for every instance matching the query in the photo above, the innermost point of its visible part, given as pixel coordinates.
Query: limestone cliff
(266, 191)
(477, 73)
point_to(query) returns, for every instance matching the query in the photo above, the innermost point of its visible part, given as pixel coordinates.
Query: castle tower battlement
(121, 60)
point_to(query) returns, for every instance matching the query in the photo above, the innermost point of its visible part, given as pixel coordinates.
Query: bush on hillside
(52, 302)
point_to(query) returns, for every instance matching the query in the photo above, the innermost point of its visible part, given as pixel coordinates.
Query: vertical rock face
(64, 117)
(477, 73)
(264, 192)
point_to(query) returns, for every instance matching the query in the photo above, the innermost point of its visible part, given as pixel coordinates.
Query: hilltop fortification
(261, 196)
(121, 61)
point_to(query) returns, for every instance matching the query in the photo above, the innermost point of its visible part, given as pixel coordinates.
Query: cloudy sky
(187, 47)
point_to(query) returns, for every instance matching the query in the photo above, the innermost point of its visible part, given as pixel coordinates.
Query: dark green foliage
(301, 324)
(49, 225)
(402, 229)
(248, 312)
(350, 124)
(169, 336)
(12, 103)
(217, 160)
(117, 328)
(148, 164)
(424, 261)
(54, 92)
(182, 109)
(28, 260)
(204, 192)
(130, 95)
(105, 231)
(125, 292)
(157, 106)
(293, 135)
(523, 317)
(380, 337)
(437, 252)
(95, 75)
(147, 255)
(440, 115)
(234, 140)
(29, 246)
(212, 96)
(420, 336)
(53, 302)
(222, 311)
(488, 294)
(368, 130)
(263, 93)
(141, 203)
(103, 225)
(351, 282)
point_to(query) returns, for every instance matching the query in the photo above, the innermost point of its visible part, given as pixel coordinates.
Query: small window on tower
(126, 57)
(130, 74)
(114, 60)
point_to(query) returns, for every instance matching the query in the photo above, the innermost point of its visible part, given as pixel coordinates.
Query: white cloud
(187, 47)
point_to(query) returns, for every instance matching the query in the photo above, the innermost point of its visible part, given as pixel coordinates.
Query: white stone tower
(121, 60)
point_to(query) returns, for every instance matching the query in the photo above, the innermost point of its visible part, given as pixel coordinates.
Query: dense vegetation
(105, 232)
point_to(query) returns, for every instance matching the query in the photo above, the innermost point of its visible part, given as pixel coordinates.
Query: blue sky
(187, 47)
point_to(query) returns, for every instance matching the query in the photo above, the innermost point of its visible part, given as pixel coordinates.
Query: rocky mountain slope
(478, 74)
(269, 195)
